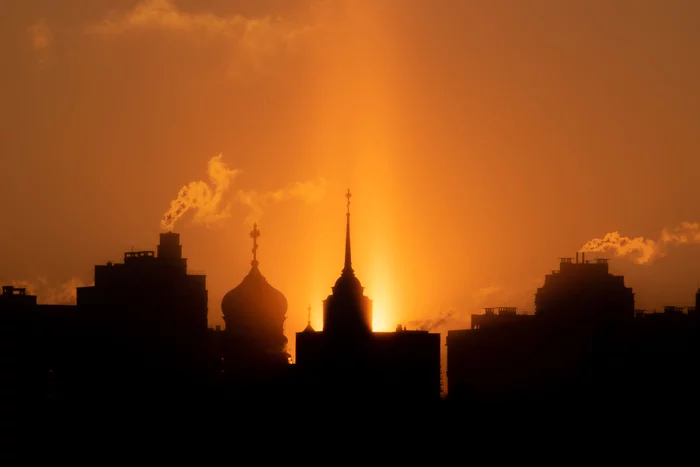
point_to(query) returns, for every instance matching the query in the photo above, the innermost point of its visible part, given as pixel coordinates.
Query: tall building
(346, 361)
(149, 294)
(144, 319)
(154, 291)
(584, 292)
(347, 311)
(578, 337)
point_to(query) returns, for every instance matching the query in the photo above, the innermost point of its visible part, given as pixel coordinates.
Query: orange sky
(482, 140)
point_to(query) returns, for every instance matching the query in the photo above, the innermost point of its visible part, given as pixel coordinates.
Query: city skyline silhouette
(521, 184)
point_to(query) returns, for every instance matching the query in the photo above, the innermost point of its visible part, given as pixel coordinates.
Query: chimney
(583, 257)
(577, 257)
(169, 246)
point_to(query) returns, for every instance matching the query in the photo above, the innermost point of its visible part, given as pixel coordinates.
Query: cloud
(164, 15)
(253, 39)
(308, 192)
(644, 250)
(56, 294)
(209, 200)
(40, 35)
(489, 291)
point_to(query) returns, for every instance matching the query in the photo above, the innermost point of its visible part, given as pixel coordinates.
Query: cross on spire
(254, 234)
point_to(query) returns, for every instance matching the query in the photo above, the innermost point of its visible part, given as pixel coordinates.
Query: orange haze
(482, 140)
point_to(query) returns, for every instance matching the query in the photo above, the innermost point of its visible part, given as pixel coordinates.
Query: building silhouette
(347, 361)
(347, 312)
(137, 337)
(585, 343)
(150, 293)
(254, 361)
(135, 355)
(501, 316)
(584, 292)
(151, 310)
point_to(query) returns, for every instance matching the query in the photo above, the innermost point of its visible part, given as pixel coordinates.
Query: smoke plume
(209, 200)
(202, 198)
(645, 250)
(432, 324)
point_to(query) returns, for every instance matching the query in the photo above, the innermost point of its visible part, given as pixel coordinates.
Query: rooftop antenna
(309, 316)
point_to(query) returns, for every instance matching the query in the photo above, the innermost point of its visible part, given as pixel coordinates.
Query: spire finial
(309, 317)
(348, 258)
(254, 234)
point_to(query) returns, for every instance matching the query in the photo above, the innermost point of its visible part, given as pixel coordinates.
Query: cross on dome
(254, 234)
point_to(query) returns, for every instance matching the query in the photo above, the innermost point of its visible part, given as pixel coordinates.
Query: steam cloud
(201, 198)
(208, 203)
(644, 250)
(60, 294)
(308, 192)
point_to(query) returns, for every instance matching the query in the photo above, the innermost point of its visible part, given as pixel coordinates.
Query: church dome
(253, 295)
(347, 282)
(254, 311)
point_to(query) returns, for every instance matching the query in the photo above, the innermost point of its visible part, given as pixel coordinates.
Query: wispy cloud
(309, 192)
(253, 39)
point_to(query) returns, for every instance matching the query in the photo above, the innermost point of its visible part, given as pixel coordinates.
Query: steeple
(348, 256)
(254, 234)
(347, 310)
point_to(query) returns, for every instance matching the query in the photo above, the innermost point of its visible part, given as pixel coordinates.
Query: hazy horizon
(482, 140)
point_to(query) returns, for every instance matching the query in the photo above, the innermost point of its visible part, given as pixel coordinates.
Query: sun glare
(380, 318)
(383, 313)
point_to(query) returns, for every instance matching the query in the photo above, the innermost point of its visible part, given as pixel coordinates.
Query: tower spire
(348, 257)
(254, 234)
(309, 317)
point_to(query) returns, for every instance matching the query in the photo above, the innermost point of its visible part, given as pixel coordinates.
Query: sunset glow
(481, 142)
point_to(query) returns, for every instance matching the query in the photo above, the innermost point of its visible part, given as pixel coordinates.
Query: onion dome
(255, 311)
